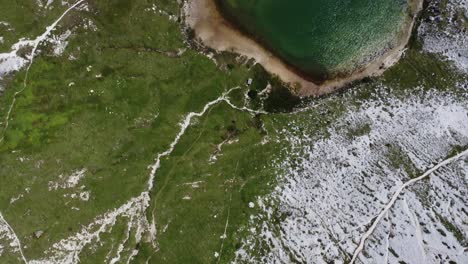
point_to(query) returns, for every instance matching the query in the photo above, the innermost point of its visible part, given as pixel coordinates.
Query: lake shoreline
(216, 32)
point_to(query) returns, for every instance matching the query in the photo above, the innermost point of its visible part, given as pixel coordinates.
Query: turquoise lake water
(319, 38)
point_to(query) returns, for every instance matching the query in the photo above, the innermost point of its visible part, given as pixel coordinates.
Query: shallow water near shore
(320, 38)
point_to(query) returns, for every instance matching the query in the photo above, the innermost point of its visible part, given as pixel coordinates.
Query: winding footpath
(394, 198)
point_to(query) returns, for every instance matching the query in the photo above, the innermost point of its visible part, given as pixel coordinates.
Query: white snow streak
(68, 250)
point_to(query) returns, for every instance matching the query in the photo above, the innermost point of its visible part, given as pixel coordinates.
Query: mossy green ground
(68, 119)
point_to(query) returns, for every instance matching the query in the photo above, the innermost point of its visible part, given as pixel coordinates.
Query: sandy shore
(217, 33)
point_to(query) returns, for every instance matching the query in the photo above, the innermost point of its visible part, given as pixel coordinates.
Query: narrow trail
(15, 238)
(224, 236)
(394, 198)
(35, 43)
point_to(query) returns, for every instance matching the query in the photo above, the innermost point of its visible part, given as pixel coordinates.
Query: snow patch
(12, 62)
(448, 37)
(332, 186)
(60, 42)
(67, 182)
(9, 240)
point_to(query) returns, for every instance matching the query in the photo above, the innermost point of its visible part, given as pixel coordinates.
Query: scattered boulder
(38, 234)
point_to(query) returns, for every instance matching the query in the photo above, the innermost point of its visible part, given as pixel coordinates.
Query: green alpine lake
(320, 39)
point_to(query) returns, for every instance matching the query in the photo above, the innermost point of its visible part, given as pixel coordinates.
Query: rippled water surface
(320, 36)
